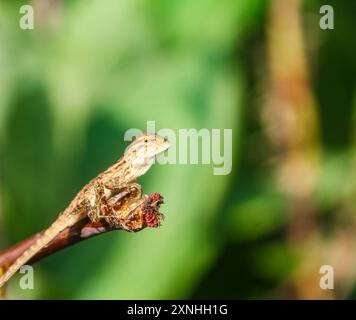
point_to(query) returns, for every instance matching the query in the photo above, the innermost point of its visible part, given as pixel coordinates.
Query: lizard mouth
(162, 149)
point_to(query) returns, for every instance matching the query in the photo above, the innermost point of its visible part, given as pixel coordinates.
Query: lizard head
(141, 153)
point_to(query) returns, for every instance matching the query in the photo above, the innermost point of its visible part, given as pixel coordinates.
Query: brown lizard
(116, 183)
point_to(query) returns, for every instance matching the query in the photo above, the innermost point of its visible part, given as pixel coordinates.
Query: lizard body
(115, 186)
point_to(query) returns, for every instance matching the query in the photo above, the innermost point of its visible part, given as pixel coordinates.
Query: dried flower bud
(150, 209)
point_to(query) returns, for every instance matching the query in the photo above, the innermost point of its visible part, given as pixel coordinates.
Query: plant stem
(82, 230)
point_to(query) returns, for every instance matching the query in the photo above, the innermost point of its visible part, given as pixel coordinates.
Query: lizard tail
(64, 221)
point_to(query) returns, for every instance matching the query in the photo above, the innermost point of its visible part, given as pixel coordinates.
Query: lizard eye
(145, 140)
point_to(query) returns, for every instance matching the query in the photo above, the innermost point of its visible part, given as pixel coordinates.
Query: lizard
(115, 183)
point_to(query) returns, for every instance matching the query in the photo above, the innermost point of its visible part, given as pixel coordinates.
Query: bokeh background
(90, 70)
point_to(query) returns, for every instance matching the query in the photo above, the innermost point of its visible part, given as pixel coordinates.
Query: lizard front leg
(126, 215)
(96, 199)
(113, 208)
(100, 200)
(110, 189)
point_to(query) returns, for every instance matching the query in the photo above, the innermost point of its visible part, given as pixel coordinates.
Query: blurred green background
(90, 70)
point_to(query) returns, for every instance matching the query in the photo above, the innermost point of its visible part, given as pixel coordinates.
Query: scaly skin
(115, 187)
